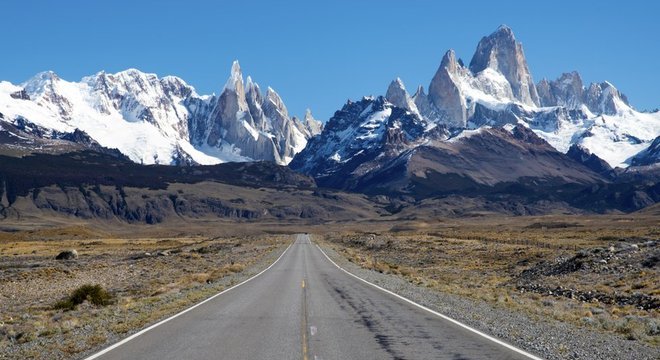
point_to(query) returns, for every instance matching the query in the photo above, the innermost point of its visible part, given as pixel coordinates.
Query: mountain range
(484, 129)
(158, 120)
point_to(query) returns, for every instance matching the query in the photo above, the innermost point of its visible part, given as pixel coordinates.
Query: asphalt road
(304, 307)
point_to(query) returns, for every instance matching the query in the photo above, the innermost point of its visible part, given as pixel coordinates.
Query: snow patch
(468, 133)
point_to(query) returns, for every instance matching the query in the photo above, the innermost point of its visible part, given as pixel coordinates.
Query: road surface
(304, 307)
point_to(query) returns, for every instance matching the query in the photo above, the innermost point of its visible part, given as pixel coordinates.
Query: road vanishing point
(305, 307)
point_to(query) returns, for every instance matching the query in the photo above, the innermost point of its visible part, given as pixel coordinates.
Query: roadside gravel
(547, 338)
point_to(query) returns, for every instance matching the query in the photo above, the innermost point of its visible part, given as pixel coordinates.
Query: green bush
(95, 294)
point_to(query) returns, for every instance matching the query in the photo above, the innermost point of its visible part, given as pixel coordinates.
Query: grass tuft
(95, 294)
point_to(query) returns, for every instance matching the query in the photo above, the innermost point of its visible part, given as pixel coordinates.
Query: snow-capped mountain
(162, 120)
(374, 146)
(497, 89)
(473, 121)
(361, 136)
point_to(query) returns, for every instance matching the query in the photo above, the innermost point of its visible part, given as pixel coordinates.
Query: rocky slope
(160, 120)
(650, 156)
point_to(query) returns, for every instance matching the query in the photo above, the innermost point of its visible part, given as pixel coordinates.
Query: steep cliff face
(162, 120)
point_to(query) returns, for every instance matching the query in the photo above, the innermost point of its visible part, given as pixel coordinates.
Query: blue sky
(318, 54)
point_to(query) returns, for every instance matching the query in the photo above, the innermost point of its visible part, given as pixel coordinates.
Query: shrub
(95, 294)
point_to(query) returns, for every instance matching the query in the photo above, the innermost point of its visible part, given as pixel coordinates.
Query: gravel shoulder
(548, 338)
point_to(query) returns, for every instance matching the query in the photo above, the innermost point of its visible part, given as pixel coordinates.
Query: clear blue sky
(317, 54)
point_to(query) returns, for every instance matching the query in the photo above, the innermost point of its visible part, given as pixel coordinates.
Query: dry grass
(148, 277)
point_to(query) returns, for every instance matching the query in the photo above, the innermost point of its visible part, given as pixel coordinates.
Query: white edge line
(499, 342)
(124, 341)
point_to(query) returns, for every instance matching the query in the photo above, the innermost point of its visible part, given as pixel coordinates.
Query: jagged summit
(504, 28)
(314, 126)
(397, 95)
(569, 91)
(501, 52)
(497, 44)
(449, 62)
(235, 78)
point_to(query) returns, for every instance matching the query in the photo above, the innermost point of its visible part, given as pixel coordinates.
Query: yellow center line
(304, 322)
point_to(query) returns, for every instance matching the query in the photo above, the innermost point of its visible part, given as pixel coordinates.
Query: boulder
(67, 255)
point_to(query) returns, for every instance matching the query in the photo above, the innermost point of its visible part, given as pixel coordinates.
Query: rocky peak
(278, 116)
(545, 93)
(252, 88)
(255, 101)
(257, 124)
(419, 92)
(41, 83)
(424, 106)
(449, 62)
(45, 89)
(176, 86)
(604, 98)
(234, 92)
(398, 96)
(372, 129)
(492, 49)
(234, 88)
(501, 52)
(235, 81)
(275, 100)
(567, 91)
(313, 126)
(572, 79)
(445, 94)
